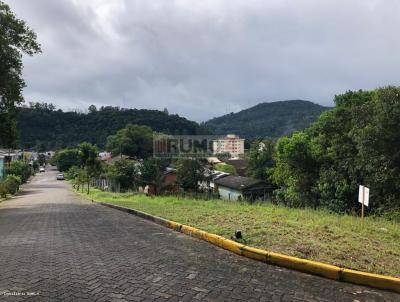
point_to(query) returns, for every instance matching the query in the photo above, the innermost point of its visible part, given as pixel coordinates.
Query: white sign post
(363, 198)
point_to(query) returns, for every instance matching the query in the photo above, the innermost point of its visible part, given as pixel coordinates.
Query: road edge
(308, 266)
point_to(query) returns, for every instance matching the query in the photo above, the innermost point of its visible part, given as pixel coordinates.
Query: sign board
(363, 195)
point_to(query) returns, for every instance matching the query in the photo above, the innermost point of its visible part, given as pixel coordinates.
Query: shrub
(20, 168)
(72, 172)
(3, 191)
(12, 184)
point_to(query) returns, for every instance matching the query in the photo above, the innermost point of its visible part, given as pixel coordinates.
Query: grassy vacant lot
(342, 240)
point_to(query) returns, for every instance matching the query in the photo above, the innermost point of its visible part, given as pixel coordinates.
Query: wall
(229, 194)
(1, 168)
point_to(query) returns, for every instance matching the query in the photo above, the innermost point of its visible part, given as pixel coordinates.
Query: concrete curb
(307, 266)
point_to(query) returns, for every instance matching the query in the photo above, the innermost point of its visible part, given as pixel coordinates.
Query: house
(232, 144)
(105, 156)
(169, 184)
(6, 156)
(209, 183)
(239, 164)
(169, 181)
(10, 155)
(242, 188)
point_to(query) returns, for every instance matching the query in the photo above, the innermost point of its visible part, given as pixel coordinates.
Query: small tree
(190, 172)
(260, 159)
(81, 179)
(88, 155)
(152, 171)
(124, 172)
(42, 159)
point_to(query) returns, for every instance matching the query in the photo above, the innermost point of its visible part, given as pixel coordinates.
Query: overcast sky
(202, 59)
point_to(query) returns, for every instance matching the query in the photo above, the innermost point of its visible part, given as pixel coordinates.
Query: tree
(88, 155)
(124, 172)
(354, 143)
(226, 168)
(8, 128)
(65, 159)
(42, 159)
(190, 172)
(152, 171)
(133, 140)
(57, 129)
(16, 39)
(92, 109)
(296, 170)
(260, 159)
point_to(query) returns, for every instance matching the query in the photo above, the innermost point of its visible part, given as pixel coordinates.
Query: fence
(193, 195)
(255, 195)
(106, 184)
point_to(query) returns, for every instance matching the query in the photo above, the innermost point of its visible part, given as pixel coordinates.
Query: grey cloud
(202, 59)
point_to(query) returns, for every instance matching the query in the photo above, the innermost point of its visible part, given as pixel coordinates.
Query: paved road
(56, 247)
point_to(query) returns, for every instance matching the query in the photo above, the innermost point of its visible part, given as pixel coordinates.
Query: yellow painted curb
(373, 280)
(307, 266)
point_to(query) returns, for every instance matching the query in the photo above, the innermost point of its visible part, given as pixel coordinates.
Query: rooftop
(238, 182)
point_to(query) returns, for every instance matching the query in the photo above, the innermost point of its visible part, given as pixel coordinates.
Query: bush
(20, 168)
(3, 190)
(72, 173)
(12, 184)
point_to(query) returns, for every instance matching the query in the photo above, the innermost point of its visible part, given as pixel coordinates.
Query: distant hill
(47, 128)
(268, 119)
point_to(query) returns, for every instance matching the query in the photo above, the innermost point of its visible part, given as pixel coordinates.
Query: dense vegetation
(44, 127)
(18, 172)
(355, 143)
(16, 39)
(268, 119)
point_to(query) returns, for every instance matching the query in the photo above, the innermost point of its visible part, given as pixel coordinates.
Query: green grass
(343, 240)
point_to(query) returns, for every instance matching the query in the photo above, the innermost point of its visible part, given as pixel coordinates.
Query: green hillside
(43, 126)
(268, 119)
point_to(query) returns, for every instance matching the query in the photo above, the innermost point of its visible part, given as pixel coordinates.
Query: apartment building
(232, 144)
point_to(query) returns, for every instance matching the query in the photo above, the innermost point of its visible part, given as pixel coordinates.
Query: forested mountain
(268, 119)
(42, 126)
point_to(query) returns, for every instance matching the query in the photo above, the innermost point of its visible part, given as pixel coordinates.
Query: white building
(231, 144)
